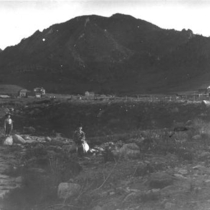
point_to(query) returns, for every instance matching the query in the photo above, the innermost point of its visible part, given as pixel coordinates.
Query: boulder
(29, 139)
(206, 103)
(18, 179)
(160, 180)
(8, 141)
(67, 190)
(130, 151)
(18, 139)
(204, 156)
(41, 139)
(183, 171)
(197, 137)
(48, 139)
(144, 169)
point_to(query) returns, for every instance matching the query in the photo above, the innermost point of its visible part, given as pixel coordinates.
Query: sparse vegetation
(151, 180)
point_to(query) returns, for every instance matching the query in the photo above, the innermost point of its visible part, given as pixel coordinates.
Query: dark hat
(79, 125)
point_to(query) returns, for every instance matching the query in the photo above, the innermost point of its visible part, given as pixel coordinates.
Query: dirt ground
(170, 171)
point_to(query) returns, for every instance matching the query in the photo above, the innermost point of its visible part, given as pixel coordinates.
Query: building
(39, 92)
(23, 93)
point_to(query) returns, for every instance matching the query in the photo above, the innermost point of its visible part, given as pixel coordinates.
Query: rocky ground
(7, 161)
(120, 175)
(145, 169)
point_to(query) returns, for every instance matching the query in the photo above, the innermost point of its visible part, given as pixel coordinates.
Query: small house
(22, 93)
(39, 90)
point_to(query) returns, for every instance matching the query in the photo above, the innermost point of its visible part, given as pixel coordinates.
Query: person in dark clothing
(8, 125)
(79, 139)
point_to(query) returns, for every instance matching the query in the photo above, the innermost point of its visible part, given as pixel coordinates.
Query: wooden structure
(39, 92)
(23, 93)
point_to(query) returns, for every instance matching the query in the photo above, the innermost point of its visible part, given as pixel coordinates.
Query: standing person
(8, 125)
(79, 139)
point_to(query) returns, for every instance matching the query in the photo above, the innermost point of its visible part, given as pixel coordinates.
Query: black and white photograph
(104, 105)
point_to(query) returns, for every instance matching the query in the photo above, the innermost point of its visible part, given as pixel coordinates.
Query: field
(155, 154)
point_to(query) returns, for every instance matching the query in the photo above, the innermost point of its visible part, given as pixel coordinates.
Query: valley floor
(132, 167)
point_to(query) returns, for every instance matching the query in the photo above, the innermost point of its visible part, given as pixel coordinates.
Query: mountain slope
(119, 54)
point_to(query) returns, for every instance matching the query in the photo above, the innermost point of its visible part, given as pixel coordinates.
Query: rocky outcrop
(18, 139)
(67, 190)
(127, 151)
(7, 162)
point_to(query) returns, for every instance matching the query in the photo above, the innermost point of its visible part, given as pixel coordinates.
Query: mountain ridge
(118, 54)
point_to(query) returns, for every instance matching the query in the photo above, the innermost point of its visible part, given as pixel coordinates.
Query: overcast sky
(21, 18)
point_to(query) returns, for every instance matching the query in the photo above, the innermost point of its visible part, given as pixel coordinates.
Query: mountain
(119, 54)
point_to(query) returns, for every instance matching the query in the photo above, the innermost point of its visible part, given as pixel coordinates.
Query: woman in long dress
(8, 125)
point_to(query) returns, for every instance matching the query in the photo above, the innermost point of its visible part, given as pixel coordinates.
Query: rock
(59, 141)
(48, 139)
(138, 141)
(181, 136)
(112, 193)
(131, 146)
(196, 137)
(29, 139)
(130, 151)
(18, 179)
(18, 139)
(8, 141)
(144, 169)
(198, 167)
(179, 176)
(160, 180)
(67, 190)
(183, 171)
(204, 155)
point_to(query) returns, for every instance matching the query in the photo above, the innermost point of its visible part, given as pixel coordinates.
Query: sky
(21, 18)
